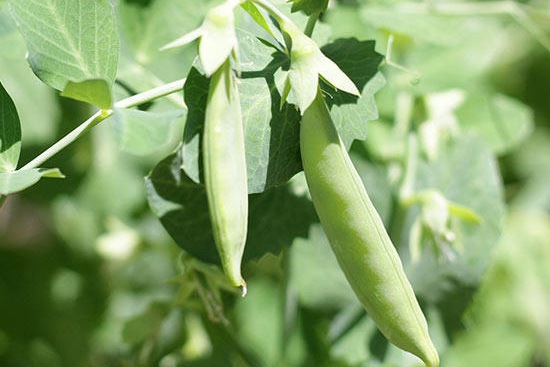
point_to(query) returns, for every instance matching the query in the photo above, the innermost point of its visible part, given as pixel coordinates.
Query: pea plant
(266, 183)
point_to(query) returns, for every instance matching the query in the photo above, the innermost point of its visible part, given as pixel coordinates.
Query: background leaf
(69, 41)
(501, 121)
(465, 173)
(10, 133)
(276, 217)
(15, 181)
(360, 61)
(309, 6)
(144, 133)
(94, 91)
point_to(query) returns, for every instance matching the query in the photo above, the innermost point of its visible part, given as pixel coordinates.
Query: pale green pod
(225, 171)
(358, 238)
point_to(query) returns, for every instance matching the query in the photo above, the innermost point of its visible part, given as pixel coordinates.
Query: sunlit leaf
(15, 181)
(143, 133)
(69, 41)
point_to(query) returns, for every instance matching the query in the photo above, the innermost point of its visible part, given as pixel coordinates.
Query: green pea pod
(358, 238)
(225, 171)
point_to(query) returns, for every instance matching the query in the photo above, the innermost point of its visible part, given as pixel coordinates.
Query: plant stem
(275, 13)
(151, 94)
(101, 115)
(312, 20)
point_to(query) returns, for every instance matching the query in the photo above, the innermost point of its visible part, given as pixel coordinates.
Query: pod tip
(244, 290)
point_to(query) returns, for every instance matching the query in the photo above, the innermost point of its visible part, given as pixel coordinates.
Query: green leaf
(36, 102)
(259, 311)
(360, 61)
(10, 133)
(10, 38)
(420, 27)
(257, 16)
(69, 41)
(309, 6)
(144, 133)
(501, 121)
(138, 329)
(275, 217)
(311, 262)
(271, 133)
(11, 182)
(466, 174)
(94, 91)
(272, 130)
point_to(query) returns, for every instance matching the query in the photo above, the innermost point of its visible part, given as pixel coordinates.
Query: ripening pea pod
(225, 171)
(357, 236)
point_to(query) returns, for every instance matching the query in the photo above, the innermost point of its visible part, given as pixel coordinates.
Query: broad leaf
(10, 133)
(260, 311)
(312, 261)
(143, 133)
(15, 181)
(309, 6)
(360, 62)
(501, 121)
(272, 130)
(70, 41)
(94, 91)
(275, 217)
(465, 173)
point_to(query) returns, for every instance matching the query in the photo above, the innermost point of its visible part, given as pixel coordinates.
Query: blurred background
(89, 277)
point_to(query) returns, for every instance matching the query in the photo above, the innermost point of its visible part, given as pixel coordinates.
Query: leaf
(94, 91)
(138, 329)
(10, 133)
(272, 127)
(144, 133)
(271, 133)
(309, 6)
(69, 41)
(360, 62)
(258, 312)
(501, 121)
(275, 217)
(420, 27)
(466, 174)
(311, 263)
(11, 182)
(36, 102)
(257, 16)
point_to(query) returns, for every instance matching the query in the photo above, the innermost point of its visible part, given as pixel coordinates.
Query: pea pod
(225, 171)
(357, 236)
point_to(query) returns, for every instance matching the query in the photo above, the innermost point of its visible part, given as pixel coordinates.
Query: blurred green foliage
(90, 277)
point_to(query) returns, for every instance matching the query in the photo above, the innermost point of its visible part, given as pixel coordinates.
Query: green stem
(101, 115)
(406, 191)
(312, 20)
(282, 19)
